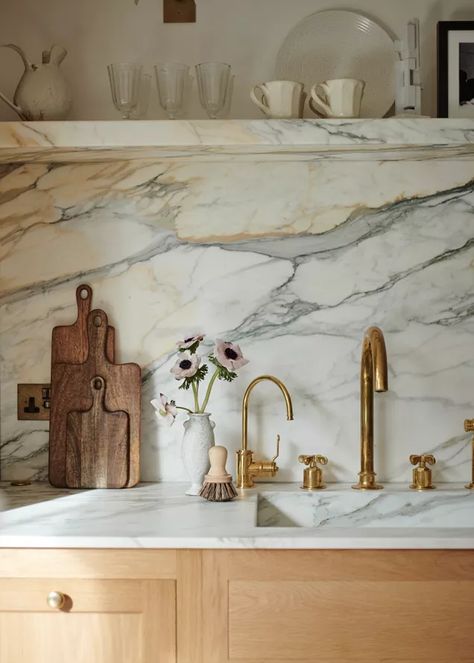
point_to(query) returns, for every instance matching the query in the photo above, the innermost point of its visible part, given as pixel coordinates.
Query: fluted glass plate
(342, 44)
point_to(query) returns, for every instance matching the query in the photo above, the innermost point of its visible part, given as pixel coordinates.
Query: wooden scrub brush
(218, 486)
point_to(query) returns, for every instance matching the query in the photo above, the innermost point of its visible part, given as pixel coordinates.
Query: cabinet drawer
(100, 620)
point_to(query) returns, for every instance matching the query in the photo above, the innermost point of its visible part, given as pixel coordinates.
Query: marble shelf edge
(288, 140)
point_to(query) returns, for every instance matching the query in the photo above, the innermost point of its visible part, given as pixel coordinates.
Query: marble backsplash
(293, 260)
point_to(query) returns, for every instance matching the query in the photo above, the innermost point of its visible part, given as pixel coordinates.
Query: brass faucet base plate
(315, 488)
(375, 486)
(470, 486)
(413, 486)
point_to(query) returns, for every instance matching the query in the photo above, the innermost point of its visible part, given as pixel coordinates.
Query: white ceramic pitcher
(279, 99)
(42, 92)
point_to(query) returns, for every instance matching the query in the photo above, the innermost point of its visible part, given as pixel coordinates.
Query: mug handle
(319, 105)
(263, 107)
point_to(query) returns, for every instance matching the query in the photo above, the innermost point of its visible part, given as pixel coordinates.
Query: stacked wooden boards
(95, 405)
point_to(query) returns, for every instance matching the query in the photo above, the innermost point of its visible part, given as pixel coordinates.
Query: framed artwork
(456, 69)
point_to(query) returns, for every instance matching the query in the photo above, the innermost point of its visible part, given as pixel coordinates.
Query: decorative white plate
(342, 44)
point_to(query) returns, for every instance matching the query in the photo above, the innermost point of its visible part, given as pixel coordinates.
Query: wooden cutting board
(97, 444)
(72, 393)
(69, 343)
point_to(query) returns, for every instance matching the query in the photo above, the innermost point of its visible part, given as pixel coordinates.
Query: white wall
(245, 33)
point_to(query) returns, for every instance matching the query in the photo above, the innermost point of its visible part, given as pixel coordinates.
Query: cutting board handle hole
(84, 293)
(97, 321)
(97, 383)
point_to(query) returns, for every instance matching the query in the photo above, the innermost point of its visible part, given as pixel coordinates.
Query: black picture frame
(444, 28)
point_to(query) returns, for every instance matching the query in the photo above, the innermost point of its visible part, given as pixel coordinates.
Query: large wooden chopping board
(97, 444)
(72, 393)
(69, 343)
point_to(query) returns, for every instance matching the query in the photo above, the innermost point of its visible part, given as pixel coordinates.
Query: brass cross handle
(422, 474)
(469, 425)
(312, 460)
(422, 459)
(313, 475)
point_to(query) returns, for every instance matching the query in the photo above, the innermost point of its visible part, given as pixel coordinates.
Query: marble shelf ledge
(382, 139)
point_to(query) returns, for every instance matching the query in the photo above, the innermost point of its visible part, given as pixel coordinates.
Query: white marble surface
(14, 497)
(79, 141)
(160, 516)
(292, 259)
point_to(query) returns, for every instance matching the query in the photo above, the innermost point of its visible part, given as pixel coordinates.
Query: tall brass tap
(373, 370)
(247, 468)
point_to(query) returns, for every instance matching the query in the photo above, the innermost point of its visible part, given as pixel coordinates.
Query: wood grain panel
(87, 563)
(111, 621)
(338, 606)
(350, 621)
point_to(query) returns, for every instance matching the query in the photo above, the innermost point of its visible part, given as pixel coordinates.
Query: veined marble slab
(160, 516)
(294, 260)
(224, 139)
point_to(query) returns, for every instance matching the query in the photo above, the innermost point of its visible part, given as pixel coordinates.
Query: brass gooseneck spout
(373, 370)
(247, 468)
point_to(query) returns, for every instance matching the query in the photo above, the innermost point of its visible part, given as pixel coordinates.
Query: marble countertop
(224, 139)
(159, 515)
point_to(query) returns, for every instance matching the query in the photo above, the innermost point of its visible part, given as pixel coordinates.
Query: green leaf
(224, 373)
(199, 376)
(192, 348)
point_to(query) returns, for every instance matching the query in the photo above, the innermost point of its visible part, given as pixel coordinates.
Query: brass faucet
(469, 428)
(373, 370)
(247, 468)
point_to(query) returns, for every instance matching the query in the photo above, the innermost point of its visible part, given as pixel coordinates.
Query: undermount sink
(348, 508)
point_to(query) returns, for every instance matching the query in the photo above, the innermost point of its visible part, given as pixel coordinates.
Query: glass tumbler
(125, 79)
(213, 79)
(171, 78)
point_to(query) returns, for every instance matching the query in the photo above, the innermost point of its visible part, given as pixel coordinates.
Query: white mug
(342, 97)
(280, 99)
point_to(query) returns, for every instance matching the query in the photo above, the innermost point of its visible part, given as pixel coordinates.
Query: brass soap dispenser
(313, 475)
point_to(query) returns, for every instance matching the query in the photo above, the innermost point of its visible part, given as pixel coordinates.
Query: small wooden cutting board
(97, 444)
(69, 343)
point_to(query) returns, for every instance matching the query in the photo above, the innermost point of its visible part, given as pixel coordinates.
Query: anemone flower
(165, 408)
(186, 366)
(229, 355)
(189, 340)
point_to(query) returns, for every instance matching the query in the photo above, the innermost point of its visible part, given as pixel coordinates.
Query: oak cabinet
(339, 606)
(236, 606)
(94, 620)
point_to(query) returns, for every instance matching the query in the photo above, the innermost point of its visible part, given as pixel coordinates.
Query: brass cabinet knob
(313, 475)
(56, 600)
(422, 474)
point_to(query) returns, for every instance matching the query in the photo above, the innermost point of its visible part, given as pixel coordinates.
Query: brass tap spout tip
(376, 345)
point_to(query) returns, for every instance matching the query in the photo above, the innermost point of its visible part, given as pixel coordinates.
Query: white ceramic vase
(197, 440)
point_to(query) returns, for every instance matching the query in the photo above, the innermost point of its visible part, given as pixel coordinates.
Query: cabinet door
(338, 606)
(101, 621)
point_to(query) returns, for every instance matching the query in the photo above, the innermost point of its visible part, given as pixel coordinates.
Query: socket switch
(34, 401)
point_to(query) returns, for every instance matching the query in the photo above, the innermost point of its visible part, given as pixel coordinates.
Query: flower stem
(196, 399)
(186, 409)
(208, 391)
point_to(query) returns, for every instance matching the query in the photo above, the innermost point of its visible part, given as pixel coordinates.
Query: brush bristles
(218, 492)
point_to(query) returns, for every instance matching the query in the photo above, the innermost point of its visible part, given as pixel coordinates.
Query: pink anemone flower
(165, 408)
(189, 340)
(229, 355)
(186, 366)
